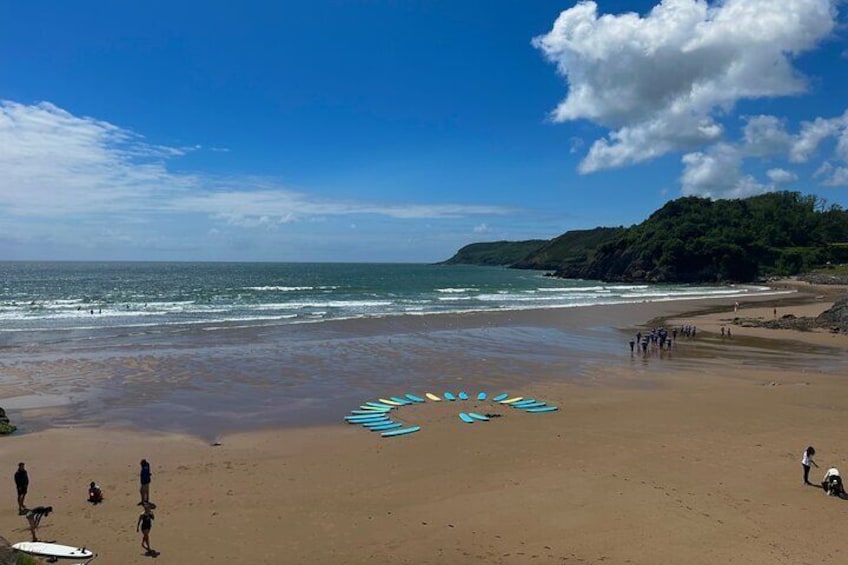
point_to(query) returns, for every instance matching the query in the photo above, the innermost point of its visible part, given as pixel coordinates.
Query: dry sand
(692, 464)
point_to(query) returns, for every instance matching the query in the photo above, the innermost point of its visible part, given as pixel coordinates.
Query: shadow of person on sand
(151, 553)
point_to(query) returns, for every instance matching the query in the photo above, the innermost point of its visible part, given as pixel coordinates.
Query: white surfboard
(57, 550)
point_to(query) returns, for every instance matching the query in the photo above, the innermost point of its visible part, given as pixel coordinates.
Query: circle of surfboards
(374, 415)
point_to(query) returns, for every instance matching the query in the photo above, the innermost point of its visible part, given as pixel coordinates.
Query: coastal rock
(824, 279)
(5, 428)
(7, 554)
(836, 318)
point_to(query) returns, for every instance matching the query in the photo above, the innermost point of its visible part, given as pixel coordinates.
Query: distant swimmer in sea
(806, 461)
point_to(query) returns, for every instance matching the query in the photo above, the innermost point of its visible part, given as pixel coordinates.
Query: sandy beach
(691, 456)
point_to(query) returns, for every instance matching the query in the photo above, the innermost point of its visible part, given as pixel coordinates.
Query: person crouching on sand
(145, 523)
(806, 461)
(95, 495)
(832, 483)
(34, 517)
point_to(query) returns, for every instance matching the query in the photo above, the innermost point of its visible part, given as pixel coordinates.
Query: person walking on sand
(145, 523)
(806, 461)
(144, 479)
(22, 484)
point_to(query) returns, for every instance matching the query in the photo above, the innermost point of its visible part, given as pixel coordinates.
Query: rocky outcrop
(6, 427)
(837, 317)
(7, 554)
(822, 278)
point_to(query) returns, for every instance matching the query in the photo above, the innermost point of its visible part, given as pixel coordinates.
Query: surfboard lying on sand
(525, 401)
(433, 397)
(541, 409)
(401, 401)
(449, 396)
(386, 426)
(481, 396)
(390, 402)
(374, 408)
(56, 550)
(414, 398)
(463, 396)
(477, 416)
(500, 397)
(529, 406)
(380, 405)
(358, 419)
(512, 400)
(400, 432)
(466, 418)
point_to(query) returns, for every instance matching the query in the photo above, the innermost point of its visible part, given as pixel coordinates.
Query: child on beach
(145, 523)
(806, 461)
(832, 483)
(95, 495)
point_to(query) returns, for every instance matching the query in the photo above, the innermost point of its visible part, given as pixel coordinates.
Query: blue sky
(400, 130)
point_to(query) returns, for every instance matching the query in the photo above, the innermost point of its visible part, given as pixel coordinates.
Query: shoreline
(692, 458)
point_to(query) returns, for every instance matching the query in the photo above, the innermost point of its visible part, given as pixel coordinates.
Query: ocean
(211, 348)
(98, 297)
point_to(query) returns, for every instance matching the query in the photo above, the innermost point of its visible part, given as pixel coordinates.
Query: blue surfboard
(401, 431)
(403, 401)
(500, 397)
(384, 427)
(449, 396)
(466, 418)
(477, 416)
(531, 406)
(523, 402)
(541, 409)
(376, 423)
(374, 408)
(463, 396)
(379, 405)
(365, 418)
(414, 398)
(481, 396)
(367, 412)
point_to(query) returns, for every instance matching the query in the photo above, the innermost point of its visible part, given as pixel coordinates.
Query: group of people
(831, 483)
(656, 339)
(95, 496)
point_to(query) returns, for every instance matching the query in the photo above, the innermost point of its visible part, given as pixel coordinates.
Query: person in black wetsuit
(145, 523)
(22, 485)
(144, 479)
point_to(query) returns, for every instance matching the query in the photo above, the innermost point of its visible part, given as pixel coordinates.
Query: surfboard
(542, 409)
(449, 396)
(525, 401)
(376, 423)
(368, 412)
(414, 398)
(477, 416)
(380, 405)
(466, 418)
(389, 402)
(433, 397)
(481, 396)
(354, 419)
(401, 431)
(511, 400)
(365, 418)
(384, 427)
(401, 401)
(500, 397)
(57, 550)
(530, 406)
(375, 408)
(463, 396)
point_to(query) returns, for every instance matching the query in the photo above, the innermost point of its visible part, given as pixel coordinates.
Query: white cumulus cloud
(661, 81)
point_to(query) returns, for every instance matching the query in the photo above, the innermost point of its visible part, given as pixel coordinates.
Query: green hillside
(693, 239)
(495, 254)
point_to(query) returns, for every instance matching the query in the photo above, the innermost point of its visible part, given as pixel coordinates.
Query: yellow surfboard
(389, 402)
(511, 400)
(433, 397)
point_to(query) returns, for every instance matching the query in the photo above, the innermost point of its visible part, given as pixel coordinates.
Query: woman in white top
(806, 461)
(832, 482)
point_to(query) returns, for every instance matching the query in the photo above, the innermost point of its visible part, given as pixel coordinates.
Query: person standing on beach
(22, 484)
(144, 479)
(145, 523)
(806, 461)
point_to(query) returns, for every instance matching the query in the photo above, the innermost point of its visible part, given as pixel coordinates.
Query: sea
(52, 297)
(212, 348)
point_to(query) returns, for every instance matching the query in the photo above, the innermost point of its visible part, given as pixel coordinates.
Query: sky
(400, 130)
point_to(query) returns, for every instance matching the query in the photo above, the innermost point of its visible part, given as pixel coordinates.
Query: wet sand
(688, 457)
